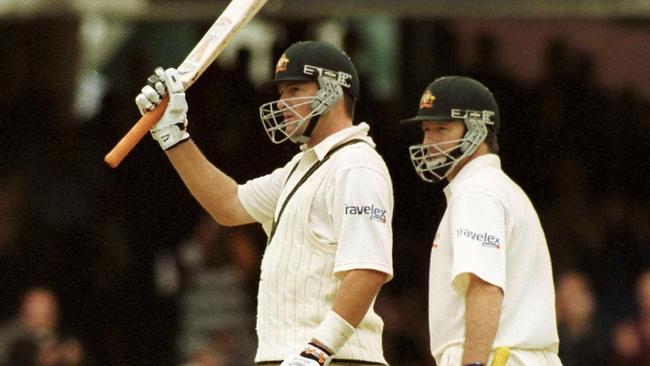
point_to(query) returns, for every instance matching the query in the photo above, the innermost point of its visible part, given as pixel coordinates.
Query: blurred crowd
(122, 267)
(34, 336)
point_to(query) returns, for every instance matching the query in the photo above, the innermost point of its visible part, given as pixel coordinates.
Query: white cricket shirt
(338, 220)
(491, 229)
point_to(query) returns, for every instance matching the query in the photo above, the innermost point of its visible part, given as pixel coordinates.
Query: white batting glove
(312, 355)
(172, 127)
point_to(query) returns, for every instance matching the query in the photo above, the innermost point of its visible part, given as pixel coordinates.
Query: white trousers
(452, 356)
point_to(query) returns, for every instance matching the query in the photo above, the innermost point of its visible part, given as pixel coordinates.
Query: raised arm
(212, 188)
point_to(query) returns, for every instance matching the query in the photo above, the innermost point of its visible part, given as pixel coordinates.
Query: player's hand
(172, 127)
(312, 355)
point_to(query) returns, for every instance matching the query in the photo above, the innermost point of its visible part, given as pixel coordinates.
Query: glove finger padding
(171, 129)
(157, 81)
(152, 95)
(144, 104)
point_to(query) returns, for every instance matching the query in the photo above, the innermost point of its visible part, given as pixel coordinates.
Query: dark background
(579, 148)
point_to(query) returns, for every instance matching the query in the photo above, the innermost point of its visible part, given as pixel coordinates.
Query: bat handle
(501, 355)
(135, 134)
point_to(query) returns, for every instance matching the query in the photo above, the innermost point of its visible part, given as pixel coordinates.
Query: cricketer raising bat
(224, 29)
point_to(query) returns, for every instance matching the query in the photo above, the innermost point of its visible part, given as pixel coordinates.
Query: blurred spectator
(580, 330)
(205, 357)
(643, 310)
(37, 337)
(8, 332)
(219, 351)
(631, 337)
(626, 344)
(209, 274)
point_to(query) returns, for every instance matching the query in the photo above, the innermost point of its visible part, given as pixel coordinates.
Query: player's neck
(482, 150)
(329, 124)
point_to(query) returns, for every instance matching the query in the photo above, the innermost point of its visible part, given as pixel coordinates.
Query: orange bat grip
(135, 134)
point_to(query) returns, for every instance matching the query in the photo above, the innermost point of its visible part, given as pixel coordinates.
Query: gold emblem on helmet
(282, 64)
(426, 102)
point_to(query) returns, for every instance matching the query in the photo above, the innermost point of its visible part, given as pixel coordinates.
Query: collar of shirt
(357, 131)
(471, 168)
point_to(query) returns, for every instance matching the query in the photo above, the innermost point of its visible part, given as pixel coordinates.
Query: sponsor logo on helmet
(426, 102)
(341, 77)
(375, 213)
(483, 116)
(486, 240)
(281, 66)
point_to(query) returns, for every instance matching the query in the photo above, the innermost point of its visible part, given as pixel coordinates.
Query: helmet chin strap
(308, 127)
(305, 136)
(328, 94)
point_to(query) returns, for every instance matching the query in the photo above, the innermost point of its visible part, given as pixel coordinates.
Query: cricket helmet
(446, 99)
(307, 61)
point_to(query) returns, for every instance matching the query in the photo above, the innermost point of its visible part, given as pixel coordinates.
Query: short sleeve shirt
(490, 229)
(353, 209)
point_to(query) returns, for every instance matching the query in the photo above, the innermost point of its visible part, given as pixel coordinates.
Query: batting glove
(312, 355)
(172, 127)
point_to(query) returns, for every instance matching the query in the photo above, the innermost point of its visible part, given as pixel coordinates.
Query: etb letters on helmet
(484, 116)
(340, 76)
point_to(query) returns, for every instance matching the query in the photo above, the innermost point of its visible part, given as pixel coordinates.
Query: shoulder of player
(359, 155)
(490, 185)
(486, 179)
(358, 152)
(473, 195)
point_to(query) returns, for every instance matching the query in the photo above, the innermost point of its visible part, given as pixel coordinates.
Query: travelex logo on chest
(375, 213)
(486, 240)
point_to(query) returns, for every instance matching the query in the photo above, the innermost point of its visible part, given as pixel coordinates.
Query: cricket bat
(236, 15)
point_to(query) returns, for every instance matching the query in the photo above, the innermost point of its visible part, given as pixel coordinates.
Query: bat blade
(236, 15)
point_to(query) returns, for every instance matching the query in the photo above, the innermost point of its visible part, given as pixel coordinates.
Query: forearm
(212, 188)
(356, 293)
(482, 313)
